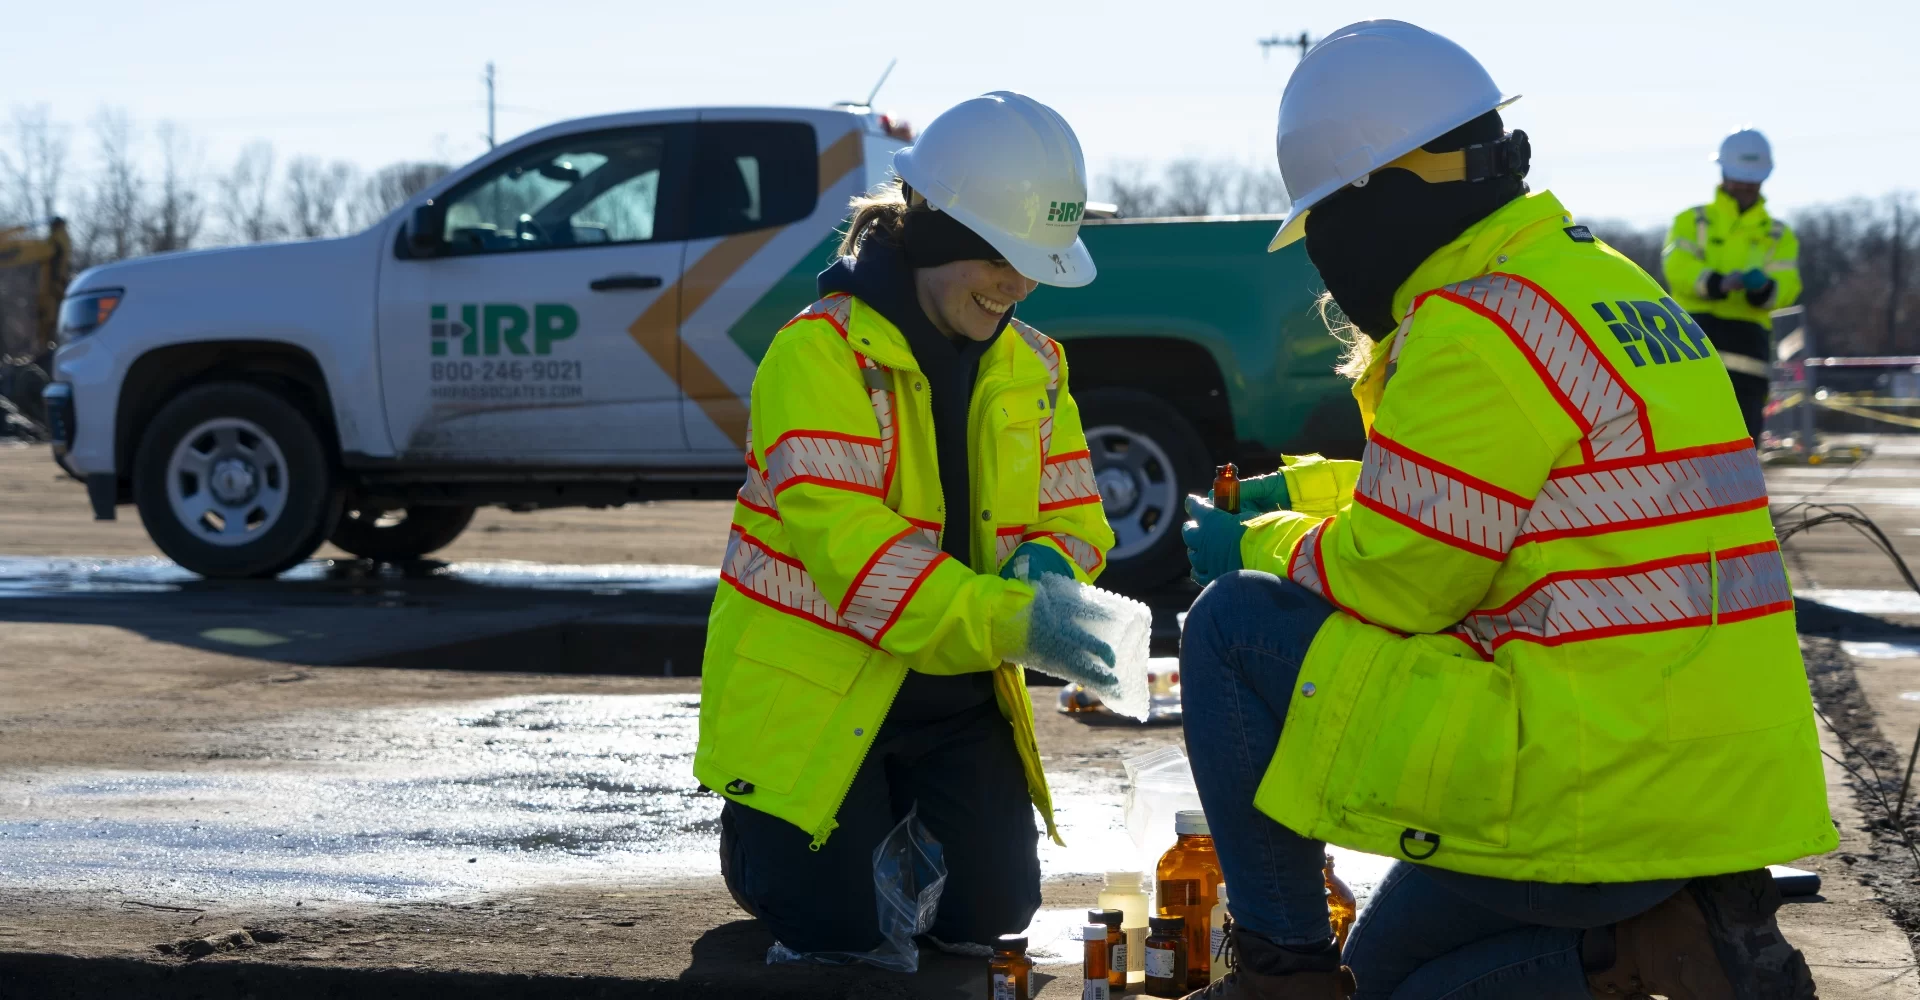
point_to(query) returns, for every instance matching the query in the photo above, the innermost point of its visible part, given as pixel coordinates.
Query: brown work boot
(1713, 940)
(1263, 970)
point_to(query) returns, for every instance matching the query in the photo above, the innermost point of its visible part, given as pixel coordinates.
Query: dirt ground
(136, 720)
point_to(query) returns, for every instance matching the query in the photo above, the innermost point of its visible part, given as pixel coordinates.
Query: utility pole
(489, 104)
(1893, 296)
(1303, 43)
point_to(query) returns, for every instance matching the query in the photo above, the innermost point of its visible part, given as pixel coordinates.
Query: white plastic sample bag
(1124, 624)
(909, 872)
(1159, 784)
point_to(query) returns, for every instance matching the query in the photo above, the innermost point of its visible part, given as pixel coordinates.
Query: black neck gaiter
(1367, 241)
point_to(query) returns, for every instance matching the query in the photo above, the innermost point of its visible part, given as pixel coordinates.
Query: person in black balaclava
(1366, 241)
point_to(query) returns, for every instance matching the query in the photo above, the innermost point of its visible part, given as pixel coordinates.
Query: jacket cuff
(1269, 539)
(1712, 285)
(1318, 486)
(1009, 621)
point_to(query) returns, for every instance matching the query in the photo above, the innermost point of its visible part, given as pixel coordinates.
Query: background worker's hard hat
(1010, 169)
(1366, 95)
(1745, 156)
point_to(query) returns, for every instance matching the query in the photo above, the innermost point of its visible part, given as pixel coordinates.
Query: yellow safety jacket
(1719, 237)
(834, 586)
(1565, 648)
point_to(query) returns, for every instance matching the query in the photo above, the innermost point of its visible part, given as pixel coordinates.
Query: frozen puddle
(439, 802)
(38, 576)
(1880, 650)
(1866, 602)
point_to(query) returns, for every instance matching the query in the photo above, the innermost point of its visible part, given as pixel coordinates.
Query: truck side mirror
(426, 233)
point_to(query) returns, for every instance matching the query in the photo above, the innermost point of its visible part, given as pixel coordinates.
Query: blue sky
(1625, 100)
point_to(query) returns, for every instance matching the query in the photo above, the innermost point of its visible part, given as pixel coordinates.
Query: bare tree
(244, 194)
(35, 168)
(314, 196)
(109, 224)
(389, 188)
(1192, 187)
(178, 211)
(1133, 193)
(1640, 245)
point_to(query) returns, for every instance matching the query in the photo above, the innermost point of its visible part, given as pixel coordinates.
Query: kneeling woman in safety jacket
(1539, 642)
(911, 444)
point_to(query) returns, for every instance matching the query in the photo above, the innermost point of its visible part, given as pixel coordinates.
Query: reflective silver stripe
(1080, 552)
(882, 590)
(1784, 264)
(1066, 480)
(881, 397)
(1438, 501)
(1746, 365)
(1049, 353)
(756, 493)
(1677, 593)
(1304, 567)
(831, 460)
(1657, 491)
(1004, 542)
(778, 582)
(835, 309)
(1700, 289)
(1700, 224)
(1688, 247)
(1600, 403)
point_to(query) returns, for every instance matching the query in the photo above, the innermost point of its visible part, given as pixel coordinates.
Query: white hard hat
(1364, 96)
(1745, 156)
(1010, 169)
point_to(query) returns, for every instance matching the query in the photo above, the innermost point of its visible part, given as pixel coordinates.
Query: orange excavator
(33, 277)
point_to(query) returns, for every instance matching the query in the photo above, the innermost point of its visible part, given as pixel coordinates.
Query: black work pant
(1750, 340)
(964, 775)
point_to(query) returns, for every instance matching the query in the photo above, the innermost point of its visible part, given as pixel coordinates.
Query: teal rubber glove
(1213, 539)
(1260, 495)
(1032, 560)
(1058, 642)
(1754, 280)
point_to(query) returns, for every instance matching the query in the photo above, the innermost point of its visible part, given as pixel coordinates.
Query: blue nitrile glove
(1213, 539)
(1058, 643)
(1032, 560)
(1260, 495)
(1754, 280)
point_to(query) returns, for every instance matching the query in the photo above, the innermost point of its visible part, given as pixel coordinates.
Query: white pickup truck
(574, 319)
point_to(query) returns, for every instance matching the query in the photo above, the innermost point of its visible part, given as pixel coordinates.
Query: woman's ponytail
(882, 213)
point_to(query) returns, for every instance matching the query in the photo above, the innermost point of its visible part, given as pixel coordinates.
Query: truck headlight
(84, 312)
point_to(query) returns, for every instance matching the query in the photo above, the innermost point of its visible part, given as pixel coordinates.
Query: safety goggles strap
(1509, 155)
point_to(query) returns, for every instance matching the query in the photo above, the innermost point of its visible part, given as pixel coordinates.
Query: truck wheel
(232, 481)
(1146, 459)
(398, 535)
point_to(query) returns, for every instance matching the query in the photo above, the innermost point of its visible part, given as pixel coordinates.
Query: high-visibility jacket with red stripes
(833, 585)
(1720, 238)
(1565, 647)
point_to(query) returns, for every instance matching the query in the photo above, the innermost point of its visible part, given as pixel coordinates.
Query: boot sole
(1758, 960)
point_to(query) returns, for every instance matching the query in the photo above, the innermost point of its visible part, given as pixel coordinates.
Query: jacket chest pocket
(1010, 470)
(786, 682)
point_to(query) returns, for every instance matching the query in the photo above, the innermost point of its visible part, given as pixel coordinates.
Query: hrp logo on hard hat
(1061, 213)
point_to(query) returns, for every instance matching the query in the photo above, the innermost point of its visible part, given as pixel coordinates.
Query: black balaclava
(1366, 241)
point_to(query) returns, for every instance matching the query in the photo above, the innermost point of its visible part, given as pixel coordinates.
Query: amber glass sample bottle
(1167, 957)
(1123, 892)
(1007, 969)
(1226, 488)
(1341, 906)
(1093, 975)
(1187, 876)
(1116, 946)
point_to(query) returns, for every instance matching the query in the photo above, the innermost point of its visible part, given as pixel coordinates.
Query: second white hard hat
(1364, 96)
(1010, 169)
(1745, 156)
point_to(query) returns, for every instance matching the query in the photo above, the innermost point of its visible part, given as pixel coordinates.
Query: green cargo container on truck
(574, 319)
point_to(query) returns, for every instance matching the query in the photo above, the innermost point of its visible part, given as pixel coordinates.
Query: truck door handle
(622, 282)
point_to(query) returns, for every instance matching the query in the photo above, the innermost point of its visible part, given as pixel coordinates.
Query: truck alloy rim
(1138, 490)
(227, 481)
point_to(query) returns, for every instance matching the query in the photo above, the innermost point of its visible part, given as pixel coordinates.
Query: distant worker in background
(1539, 643)
(1730, 265)
(914, 461)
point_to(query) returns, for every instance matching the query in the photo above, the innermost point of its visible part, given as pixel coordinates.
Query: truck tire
(1146, 458)
(378, 535)
(232, 481)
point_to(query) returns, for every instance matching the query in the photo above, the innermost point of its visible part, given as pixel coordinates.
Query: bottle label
(1003, 987)
(1136, 944)
(1118, 959)
(1093, 989)
(1179, 892)
(1159, 963)
(1215, 942)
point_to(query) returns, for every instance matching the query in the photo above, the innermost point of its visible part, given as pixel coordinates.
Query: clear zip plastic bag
(909, 872)
(1124, 624)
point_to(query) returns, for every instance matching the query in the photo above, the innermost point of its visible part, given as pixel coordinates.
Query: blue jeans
(1427, 933)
